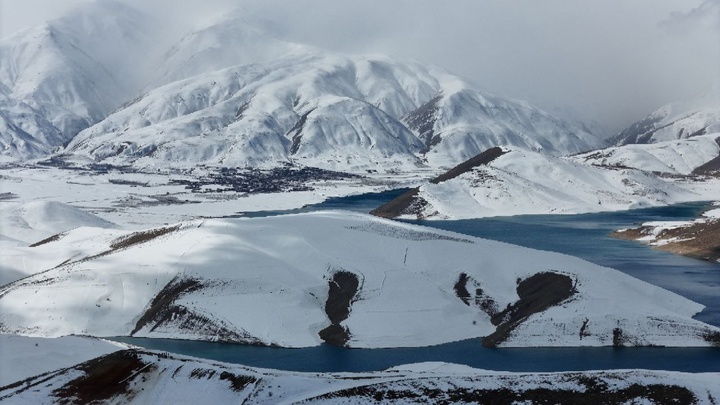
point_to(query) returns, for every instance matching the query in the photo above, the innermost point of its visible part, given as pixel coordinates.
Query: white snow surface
(524, 182)
(23, 357)
(265, 280)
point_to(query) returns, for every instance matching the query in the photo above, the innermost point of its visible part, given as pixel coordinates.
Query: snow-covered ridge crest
(63, 76)
(403, 285)
(679, 120)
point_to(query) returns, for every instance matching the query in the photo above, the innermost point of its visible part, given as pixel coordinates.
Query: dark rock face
(422, 122)
(639, 132)
(479, 160)
(479, 299)
(537, 293)
(460, 288)
(296, 132)
(342, 290)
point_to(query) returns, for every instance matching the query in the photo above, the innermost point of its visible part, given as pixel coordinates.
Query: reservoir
(583, 235)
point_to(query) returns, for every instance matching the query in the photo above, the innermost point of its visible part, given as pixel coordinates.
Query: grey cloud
(615, 60)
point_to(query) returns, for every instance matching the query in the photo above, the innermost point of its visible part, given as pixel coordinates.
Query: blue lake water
(584, 235)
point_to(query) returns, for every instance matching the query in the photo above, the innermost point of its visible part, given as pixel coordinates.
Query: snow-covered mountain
(374, 283)
(525, 182)
(230, 93)
(143, 376)
(63, 76)
(339, 112)
(678, 120)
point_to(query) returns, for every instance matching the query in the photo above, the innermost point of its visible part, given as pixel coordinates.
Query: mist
(613, 61)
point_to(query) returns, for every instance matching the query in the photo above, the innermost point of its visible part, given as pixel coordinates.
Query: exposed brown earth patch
(342, 289)
(105, 378)
(699, 240)
(537, 293)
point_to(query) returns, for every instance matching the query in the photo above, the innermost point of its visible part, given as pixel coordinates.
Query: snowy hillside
(460, 123)
(140, 377)
(675, 121)
(524, 182)
(676, 157)
(375, 283)
(330, 111)
(61, 77)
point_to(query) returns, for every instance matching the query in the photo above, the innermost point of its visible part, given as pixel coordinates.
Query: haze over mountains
(229, 92)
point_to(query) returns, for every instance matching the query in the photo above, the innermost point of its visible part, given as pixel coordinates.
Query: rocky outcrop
(537, 293)
(342, 289)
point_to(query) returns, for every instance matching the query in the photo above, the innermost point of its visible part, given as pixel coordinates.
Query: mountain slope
(374, 283)
(524, 182)
(676, 157)
(460, 123)
(65, 75)
(331, 111)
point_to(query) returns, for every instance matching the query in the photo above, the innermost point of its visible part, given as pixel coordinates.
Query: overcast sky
(615, 60)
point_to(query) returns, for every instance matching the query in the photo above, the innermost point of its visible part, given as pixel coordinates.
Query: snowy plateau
(132, 162)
